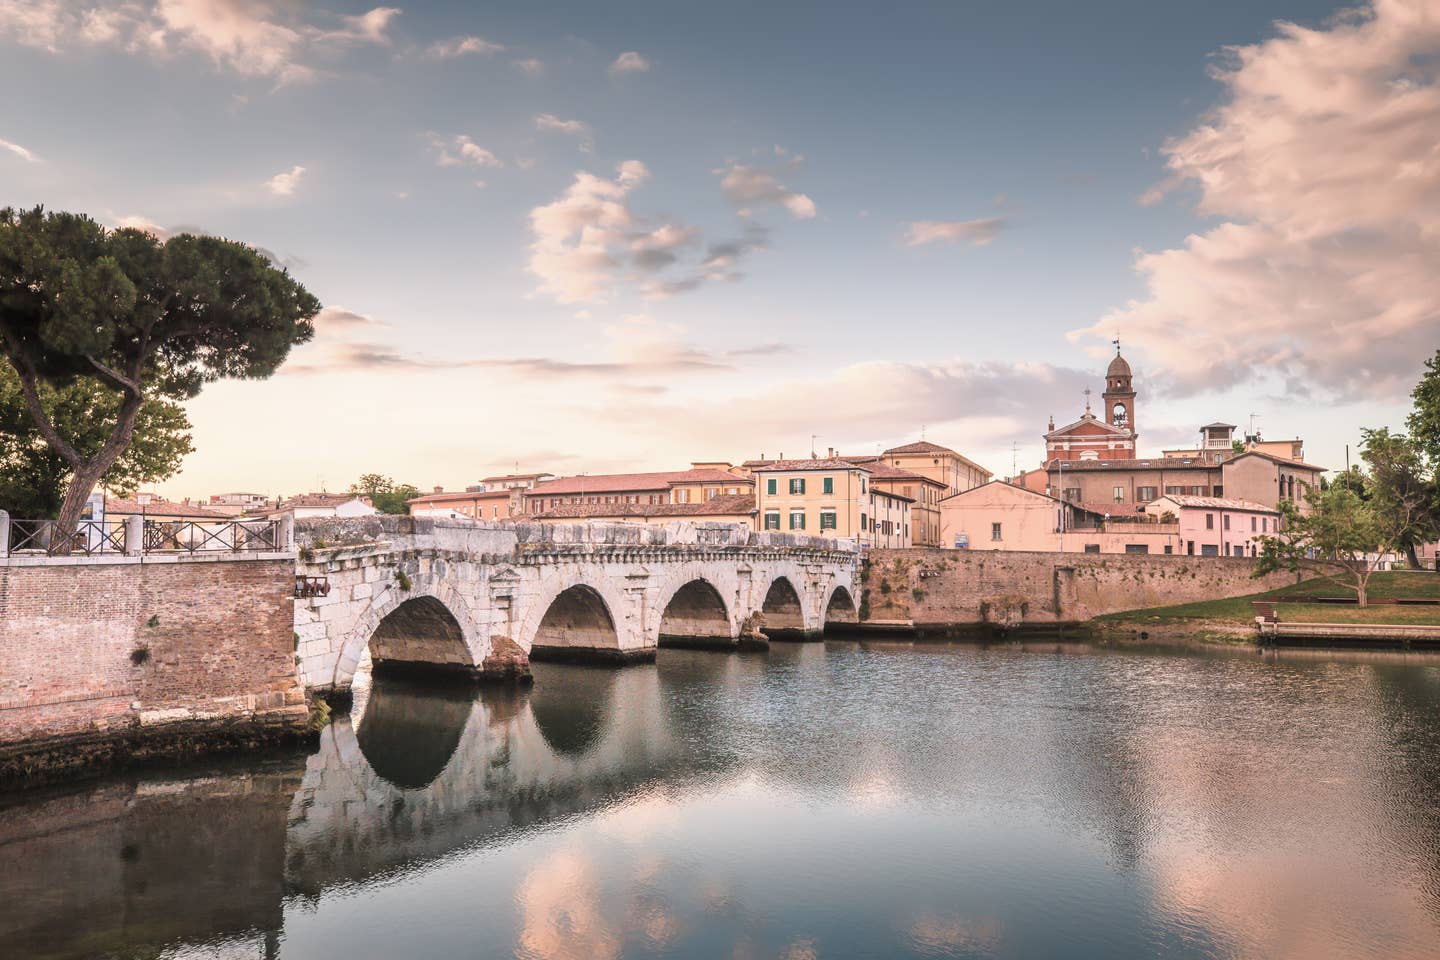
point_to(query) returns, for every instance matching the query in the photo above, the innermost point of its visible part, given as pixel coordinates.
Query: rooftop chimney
(439, 489)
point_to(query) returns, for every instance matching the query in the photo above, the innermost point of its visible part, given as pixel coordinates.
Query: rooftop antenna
(813, 438)
(922, 431)
(1014, 459)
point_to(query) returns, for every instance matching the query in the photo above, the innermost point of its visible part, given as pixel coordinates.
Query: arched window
(1121, 414)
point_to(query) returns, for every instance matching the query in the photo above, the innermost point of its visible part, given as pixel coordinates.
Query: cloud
(135, 222)
(462, 46)
(629, 62)
(550, 122)
(19, 151)
(338, 320)
(529, 66)
(284, 184)
(579, 238)
(1323, 160)
(748, 186)
(460, 150)
(977, 233)
(250, 37)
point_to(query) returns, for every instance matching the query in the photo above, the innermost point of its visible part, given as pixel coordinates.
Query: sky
(581, 237)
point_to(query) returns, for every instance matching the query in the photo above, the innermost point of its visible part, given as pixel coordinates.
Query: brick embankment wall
(942, 588)
(105, 659)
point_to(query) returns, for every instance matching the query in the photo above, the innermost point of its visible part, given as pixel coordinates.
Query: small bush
(403, 579)
(918, 594)
(153, 622)
(885, 586)
(307, 555)
(140, 656)
(319, 715)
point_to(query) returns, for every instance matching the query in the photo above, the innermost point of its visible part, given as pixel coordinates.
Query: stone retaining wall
(100, 654)
(941, 588)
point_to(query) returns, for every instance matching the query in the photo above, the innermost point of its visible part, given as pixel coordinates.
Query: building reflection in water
(815, 800)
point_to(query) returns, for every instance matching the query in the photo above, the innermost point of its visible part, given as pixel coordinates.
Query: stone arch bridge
(480, 599)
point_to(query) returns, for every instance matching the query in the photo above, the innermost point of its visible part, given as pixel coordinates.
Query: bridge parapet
(481, 597)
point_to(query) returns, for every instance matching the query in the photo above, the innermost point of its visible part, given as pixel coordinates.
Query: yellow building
(923, 494)
(939, 463)
(829, 497)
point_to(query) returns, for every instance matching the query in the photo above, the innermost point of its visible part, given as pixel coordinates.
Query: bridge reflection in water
(859, 799)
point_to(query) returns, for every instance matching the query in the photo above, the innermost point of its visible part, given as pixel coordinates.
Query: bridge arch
(840, 608)
(784, 611)
(426, 629)
(577, 620)
(696, 615)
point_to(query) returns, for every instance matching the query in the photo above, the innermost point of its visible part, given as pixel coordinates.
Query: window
(1119, 494)
(770, 486)
(1239, 551)
(908, 491)
(1225, 521)
(1144, 494)
(1209, 521)
(1169, 491)
(797, 485)
(1092, 548)
(827, 485)
(772, 521)
(1197, 491)
(1169, 549)
(827, 520)
(1218, 490)
(797, 520)
(1252, 524)
(994, 531)
(1209, 550)
(1072, 494)
(1137, 548)
(864, 522)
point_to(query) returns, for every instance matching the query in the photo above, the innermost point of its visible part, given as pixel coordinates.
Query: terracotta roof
(162, 508)
(1217, 503)
(891, 494)
(726, 505)
(880, 470)
(1217, 423)
(921, 446)
(818, 463)
(631, 482)
(320, 500)
(515, 476)
(1091, 419)
(461, 496)
(1283, 461)
(1019, 489)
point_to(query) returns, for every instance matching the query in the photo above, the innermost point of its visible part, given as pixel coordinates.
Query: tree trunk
(81, 485)
(88, 474)
(1362, 592)
(1412, 557)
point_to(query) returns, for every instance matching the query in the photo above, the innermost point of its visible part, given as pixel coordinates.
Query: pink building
(1217, 526)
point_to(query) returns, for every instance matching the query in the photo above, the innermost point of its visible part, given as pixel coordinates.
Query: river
(837, 800)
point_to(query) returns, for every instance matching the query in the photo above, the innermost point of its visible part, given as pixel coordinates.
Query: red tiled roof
(727, 505)
(631, 482)
(880, 470)
(515, 476)
(320, 500)
(1218, 503)
(921, 446)
(818, 463)
(461, 496)
(162, 508)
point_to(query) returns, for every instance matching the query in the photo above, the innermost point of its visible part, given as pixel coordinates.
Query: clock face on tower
(1121, 414)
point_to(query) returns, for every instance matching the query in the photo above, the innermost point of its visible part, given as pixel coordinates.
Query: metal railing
(89, 538)
(137, 536)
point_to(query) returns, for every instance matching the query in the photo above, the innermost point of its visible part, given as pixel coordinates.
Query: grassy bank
(1234, 616)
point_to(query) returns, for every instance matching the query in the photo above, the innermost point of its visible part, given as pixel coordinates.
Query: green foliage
(403, 580)
(385, 494)
(146, 319)
(33, 475)
(1340, 535)
(1403, 491)
(319, 717)
(1237, 446)
(1424, 420)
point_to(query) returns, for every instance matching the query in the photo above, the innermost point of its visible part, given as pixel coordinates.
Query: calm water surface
(816, 801)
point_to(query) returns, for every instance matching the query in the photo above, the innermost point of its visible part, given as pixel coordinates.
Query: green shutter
(828, 485)
(770, 486)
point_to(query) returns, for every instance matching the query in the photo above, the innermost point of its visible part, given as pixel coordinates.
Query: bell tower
(1119, 396)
